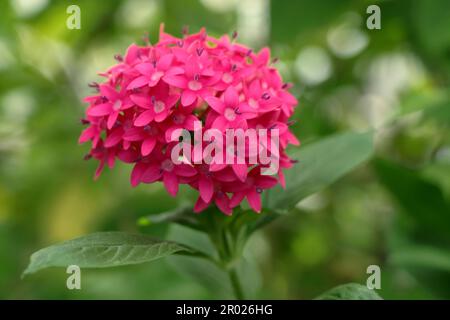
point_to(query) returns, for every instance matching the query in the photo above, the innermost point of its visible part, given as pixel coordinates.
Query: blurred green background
(394, 211)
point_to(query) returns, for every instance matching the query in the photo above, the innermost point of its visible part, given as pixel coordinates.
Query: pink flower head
(158, 89)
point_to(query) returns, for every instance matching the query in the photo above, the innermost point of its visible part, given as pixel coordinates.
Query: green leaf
(183, 215)
(350, 291)
(409, 190)
(103, 249)
(319, 165)
(423, 257)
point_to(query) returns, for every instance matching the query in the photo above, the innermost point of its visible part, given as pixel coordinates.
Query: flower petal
(185, 170)
(222, 202)
(147, 146)
(151, 174)
(200, 205)
(237, 198)
(187, 98)
(141, 100)
(175, 80)
(109, 92)
(144, 118)
(240, 170)
(138, 82)
(170, 181)
(206, 188)
(114, 138)
(220, 123)
(231, 97)
(112, 119)
(145, 68)
(164, 62)
(137, 172)
(254, 200)
(215, 103)
(99, 110)
(87, 134)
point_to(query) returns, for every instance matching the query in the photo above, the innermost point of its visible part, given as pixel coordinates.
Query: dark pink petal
(141, 100)
(220, 123)
(114, 138)
(134, 134)
(237, 198)
(109, 92)
(263, 56)
(216, 166)
(87, 134)
(254, 200)
(91, 99)
(215, 103)
(138, 82)
(185, 170)
(206, 188)
(190, 121)
(170, 181)
(132, 54)
(231, 97)
(128, 156)
(136, 175)
(164, 62)
(126, 144)
(99, 170)
(147, 146)
(151, 174)
(112, 119)
(180, 54)
(188, 97)
(292, 139)
(175, 80)
(111, 159)
(282, 179)
(254, 89)
(169, 132)
(99, 110)
(144, 118)
(172, 100)
(175, 71)
(126, 103)
(240, 170)
(226, 175)
(288, 98)
(159, 117)
(222, 202)
(200, 205)
(154, 79)
(266, 182)
(145, 68)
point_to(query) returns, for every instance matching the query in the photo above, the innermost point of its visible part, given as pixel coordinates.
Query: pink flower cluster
(155, 89)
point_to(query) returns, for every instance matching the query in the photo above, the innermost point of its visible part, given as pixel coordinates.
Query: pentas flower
(231, 113)
(252, 188)
(152, 72)
(156, 90)
(114, 103)
(194, 81)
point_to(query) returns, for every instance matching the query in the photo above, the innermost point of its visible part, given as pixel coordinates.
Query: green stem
(224, 240)
(236, 284)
